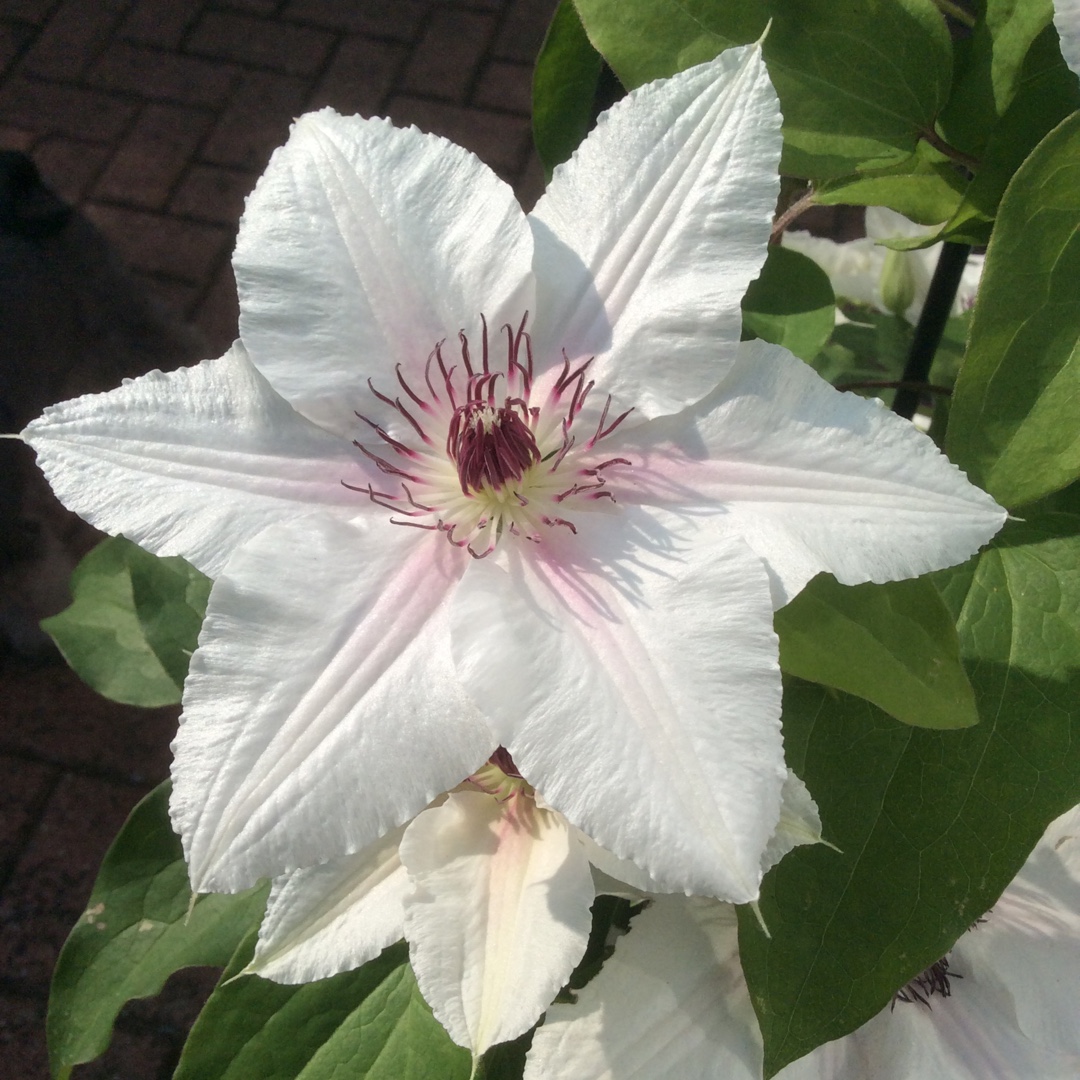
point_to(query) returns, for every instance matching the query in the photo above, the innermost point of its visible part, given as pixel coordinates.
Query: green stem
(799, 206)
(955, 11)
(942, 147)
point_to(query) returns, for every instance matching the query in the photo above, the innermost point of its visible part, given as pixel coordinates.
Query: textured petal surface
(360, 248)
(321, 709)
(971, 1035)
(499, 916)
(633, 676)
(670, 1004)
(193, 462)
(647, 239)
(800, 822)
(811, 478)
(1029, 945)
(334, 917)
(1067, 21)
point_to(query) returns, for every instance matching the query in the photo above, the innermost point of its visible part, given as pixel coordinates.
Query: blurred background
(130, 133)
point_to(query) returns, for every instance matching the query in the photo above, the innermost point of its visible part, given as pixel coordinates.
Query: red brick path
(155, 117)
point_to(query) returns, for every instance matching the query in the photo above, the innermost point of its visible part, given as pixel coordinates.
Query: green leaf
(136, 931)
(925, 188)
(869, 349)
(1018, 603)
(790, 303)
(1047, 94)
(565, 81)
(932, 825)
(651, 39)
(990, 70)
(368, 1024)
(858, 82)
(893, 644)
(1013, 425)
(133, 624)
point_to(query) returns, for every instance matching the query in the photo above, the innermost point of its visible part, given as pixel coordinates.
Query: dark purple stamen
(934, 980)
(491, 445)
(504, 761)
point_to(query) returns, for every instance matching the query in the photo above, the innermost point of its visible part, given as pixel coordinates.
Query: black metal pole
(931, 325)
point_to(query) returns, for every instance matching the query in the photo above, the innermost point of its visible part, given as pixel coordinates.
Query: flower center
(477, 459)
(492, 446)
(498, 776)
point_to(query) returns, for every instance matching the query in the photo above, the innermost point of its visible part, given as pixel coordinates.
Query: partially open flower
(672, 1002)
(491, 887)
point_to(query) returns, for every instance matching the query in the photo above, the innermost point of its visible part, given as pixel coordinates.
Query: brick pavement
(154, 118)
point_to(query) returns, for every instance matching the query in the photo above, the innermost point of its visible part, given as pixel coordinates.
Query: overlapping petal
(810, 478)
(193, 462)
(361, 247)
(333, 917)
(634, 679)
(321, 709)
(676, 181)
(499, 915)
(670, 1004)
(1029, 945)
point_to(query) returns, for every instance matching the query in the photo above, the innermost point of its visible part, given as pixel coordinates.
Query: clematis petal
(670, 1004)
(361, 247)
(321, 708)
(1067, 23)
(499, 916)
(614, 876)
(800, 822)
(647, 239)
(634, 679)
(1029, 944)
(811, 478)
(971, 1035)
(334, 917)
(193, 462)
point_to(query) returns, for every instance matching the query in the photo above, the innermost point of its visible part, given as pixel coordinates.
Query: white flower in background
(671, 1003)
(892, 281)
(492, 888)
(565, 534)
(1067, 22)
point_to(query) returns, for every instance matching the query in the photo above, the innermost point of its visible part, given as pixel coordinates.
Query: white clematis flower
(1067, 23)
(671, 1004)
(493, 890)
(892, 281)
(564, 535)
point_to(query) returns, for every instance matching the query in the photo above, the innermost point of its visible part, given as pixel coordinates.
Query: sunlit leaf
(858, 83)
(925, 188)
(893, 644)
(1047, 93)
(565, 82)
(133, 624)
(368, 1024)
(651, 39)
(1013, 426)
(990, 69)
(931, 825)
(791, 303)
(138, 928)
